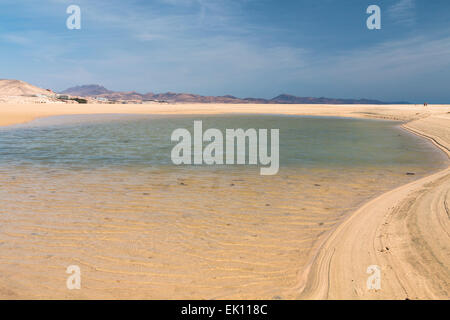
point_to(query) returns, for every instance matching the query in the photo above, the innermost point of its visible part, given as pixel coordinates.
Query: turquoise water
(131, 140)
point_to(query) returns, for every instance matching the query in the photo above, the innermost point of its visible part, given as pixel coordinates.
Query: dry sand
(19, 113)
(404, 231)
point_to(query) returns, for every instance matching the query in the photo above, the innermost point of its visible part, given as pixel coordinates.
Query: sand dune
(19, 88)
(405, 231)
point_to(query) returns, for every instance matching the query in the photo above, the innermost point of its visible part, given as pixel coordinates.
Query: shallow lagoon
(103, 194)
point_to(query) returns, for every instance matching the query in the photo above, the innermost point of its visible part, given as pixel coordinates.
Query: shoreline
(439, 145)
(23, 113)
(316, 281)
(338, 267)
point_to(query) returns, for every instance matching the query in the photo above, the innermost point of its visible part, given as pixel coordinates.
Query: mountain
(97, 91)
(89, 90)
(10, 88)
(17, 88)
(286, 98)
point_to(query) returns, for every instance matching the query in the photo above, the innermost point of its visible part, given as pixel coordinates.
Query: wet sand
(152, 235)
(337, 242)
(406, 232)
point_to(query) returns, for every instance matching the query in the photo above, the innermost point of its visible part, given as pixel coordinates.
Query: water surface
(101, 192)
(127, 141)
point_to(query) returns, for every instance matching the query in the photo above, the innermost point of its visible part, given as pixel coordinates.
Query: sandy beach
(405, 231)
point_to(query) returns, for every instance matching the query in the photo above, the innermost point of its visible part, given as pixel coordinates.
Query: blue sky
(247, 48)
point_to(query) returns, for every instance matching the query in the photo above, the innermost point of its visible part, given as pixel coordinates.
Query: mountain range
(97, 91)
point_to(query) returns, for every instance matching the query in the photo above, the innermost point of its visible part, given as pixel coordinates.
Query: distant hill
(17, 88)
(286, 98)
(10, 88)
(97, 91)
(90, 90)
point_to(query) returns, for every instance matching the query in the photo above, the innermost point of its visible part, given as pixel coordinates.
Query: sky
(246, 48)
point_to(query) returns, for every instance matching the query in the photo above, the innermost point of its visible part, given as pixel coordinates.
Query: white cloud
(16, 39)
(403, 12)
